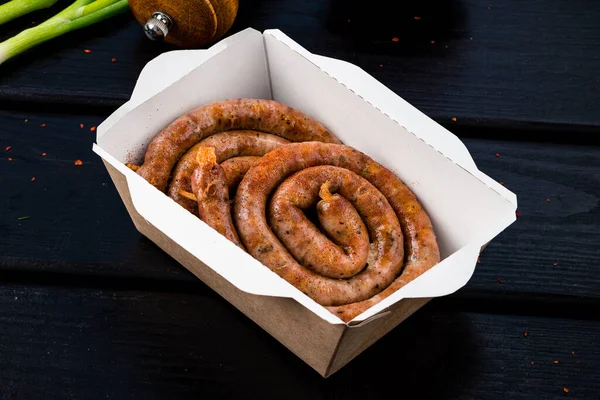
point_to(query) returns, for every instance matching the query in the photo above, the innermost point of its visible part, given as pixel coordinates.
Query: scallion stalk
(78, 15)
(16, 8)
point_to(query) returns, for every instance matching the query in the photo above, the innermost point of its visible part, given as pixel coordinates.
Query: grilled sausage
(226, 145)
(210, 189)
(253, 114)
(410, 231)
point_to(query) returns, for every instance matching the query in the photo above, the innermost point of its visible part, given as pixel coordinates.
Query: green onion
(16, 8)
(78, 15)
(25, 217)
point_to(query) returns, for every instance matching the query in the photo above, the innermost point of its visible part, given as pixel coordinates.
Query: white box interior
(465, 210)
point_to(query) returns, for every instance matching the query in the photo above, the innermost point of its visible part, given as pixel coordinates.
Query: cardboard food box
(466, 207)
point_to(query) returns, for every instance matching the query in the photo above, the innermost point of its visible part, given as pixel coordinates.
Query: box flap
(389, 103)
(166, 69)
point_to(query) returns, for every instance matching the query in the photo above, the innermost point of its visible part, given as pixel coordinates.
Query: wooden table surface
(91, 309)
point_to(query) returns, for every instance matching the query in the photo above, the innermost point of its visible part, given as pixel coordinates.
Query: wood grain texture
(72, 343)
(79, 226)
(509, 63)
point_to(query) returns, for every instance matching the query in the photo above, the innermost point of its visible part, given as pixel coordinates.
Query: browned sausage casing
(226, 145)
(260, 115)
(210, 188)
(410, 224)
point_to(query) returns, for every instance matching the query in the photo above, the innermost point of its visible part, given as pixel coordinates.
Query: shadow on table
(421, 358)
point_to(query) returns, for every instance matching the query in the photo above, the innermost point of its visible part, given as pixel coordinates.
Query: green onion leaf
(16, 8)
(78, 15)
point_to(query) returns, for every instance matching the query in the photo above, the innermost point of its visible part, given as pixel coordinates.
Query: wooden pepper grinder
(185, 23)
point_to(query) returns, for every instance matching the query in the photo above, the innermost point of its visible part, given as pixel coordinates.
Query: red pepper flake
(7, 148)
(555, 361)
(9, 159)
(478, 260)
(43, 154)
(32, 22)
(93, 129)
(381, 65)
(81, 126)
(348, 19)
(113, 60)
(417, 18)
(87, 51)
(78, 163)
(518, 214)
(26, 121)
(499, 280)
(525, 333)
(565, 390)
(547, 200)
(43, 125)
(33, 179)
(532, 363)
(573, 352)
(453, 119)
(497, 154)
(555, 264)
(432, 42)
(395, 39)
(502, 183)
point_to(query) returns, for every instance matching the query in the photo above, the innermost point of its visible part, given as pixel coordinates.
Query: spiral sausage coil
(325, 217)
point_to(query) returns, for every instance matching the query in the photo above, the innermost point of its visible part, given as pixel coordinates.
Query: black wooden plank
(76, 222)
(78, 343)
(79, 226)
(507, 62)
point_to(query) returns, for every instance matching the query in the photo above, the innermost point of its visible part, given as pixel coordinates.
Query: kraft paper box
(466, 207)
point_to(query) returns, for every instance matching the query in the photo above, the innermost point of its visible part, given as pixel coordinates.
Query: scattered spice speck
(78, 163)
(113, 60)
(499, 280)
(573, 352)
(395, 39)
(453, 119)
(555, 361)
(489, 7)
(547, 200)
(93, 129)
(432, 42)
(43, 125)
(87, 51)
(518, 214)
(33, 179)
(502, 183)
(532, 363)
(7, 148)
(566, 390)
(497, 154)
(417, 18)
(81, 126)
(23, 218)
(381, 65)
(43, 154)
(348, 19)
(478, 260)
(576, 362)
(555, 264)
(10, 159)
(526, 333)
(26, 121)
